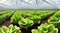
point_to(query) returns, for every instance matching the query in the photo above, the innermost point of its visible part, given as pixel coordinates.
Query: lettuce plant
(57, 14)
(10, 29)
(55, 19)
(45, 28)
(4, 17)
(25, 23)
(36, 19)
(38, 16)
(26, 14)
(16, 17)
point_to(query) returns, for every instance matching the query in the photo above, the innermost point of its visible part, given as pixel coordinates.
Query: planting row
(44, 28)
(27, 18)
(3, 12)
(10, 29)
(55, 19)
(5, 16)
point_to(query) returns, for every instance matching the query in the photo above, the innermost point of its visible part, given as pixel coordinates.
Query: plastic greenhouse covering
(29, 4)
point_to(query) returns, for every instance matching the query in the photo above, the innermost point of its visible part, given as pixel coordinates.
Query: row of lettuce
(5, 15)
(52, 26)
(55, 20)
(27, 18)
(10, 29)
(44, 28)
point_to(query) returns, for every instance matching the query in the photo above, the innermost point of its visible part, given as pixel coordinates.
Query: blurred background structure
(29, 4)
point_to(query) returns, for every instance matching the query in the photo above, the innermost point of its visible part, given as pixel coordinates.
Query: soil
(46, 19)
(7, 22)
(28, 30)
(59, 31)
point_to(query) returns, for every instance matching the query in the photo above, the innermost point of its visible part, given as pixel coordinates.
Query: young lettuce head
(10, 29)
(45, 28)
(25, 23)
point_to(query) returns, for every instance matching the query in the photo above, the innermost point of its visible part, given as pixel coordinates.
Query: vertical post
(16, 5)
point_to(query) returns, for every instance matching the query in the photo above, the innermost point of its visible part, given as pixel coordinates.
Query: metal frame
(3, 4)
(49, 3)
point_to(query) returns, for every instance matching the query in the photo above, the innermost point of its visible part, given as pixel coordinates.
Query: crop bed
(30, 21)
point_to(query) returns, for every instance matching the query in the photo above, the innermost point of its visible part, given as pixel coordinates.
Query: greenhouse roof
(29, 4)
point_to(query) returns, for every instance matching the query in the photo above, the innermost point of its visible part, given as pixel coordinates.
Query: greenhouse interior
(29, 16)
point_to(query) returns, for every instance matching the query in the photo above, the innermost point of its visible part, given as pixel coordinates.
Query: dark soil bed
(46, 19)
(6, 23)
(59, 31)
